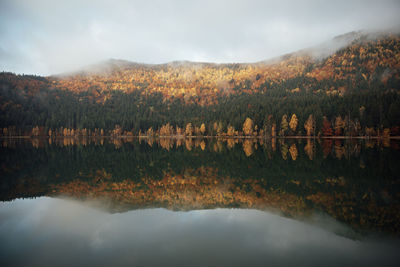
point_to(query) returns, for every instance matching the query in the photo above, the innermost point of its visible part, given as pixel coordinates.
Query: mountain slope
(365, 59)
(353, 91)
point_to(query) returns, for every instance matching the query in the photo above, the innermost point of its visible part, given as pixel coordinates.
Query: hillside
(320, 85)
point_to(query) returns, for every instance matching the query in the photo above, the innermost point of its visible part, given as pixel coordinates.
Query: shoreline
(204, 137)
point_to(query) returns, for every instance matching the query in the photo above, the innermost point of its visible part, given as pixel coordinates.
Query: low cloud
(47, 37)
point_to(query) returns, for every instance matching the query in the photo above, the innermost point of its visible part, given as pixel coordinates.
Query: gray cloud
(46, 37)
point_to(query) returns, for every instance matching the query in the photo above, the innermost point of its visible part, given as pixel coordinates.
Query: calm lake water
(199, 202)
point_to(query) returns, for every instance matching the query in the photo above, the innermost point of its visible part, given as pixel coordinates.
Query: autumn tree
(150, 132)
(293, 123)
(166, 130)
(268, 126)
(248, 126)
(339, 125)
(189, 129)
(35, 131)
(326, 127)
(118, 130)
(197, 131)
(284, 125)
(203, 129)
(179, 130)
(309, 125)
(230, 131)
(218, 128)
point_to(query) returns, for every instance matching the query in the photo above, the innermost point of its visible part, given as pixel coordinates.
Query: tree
(248, 126)
(189, 129)
(150, 132)
(203, 129)
(326, 127)
(230, 131)
(309, 125)
(284, 125)
(293, 123)
(166, 130)
(339, 125)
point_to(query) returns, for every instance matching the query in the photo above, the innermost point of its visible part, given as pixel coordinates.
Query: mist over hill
(324, 90)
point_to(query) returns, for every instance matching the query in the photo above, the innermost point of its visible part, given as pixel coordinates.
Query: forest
(352, 92)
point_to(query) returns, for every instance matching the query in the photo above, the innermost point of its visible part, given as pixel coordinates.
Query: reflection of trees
(202, 145)
(189, 143)
(218, 146)
(327, 147)
(386, 142)
(370, 143)
(166, 143)
(144, 175)
(293, 151)
(230, 143)
(284, 148)
(248, 147)
(273, 144)
(118, 143)
(340, 150)
(309, 149)
(179, 142)
(150, 141)
(205, 188)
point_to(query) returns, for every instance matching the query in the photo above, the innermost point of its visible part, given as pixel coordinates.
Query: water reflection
(336, 147)
(60, 232)
(354, 181)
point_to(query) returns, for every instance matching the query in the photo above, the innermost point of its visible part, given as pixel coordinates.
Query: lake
(199, 202)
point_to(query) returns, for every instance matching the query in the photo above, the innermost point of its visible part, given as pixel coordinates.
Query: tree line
(275, 112)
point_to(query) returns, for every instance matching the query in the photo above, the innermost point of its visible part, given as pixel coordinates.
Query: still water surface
(127, 202)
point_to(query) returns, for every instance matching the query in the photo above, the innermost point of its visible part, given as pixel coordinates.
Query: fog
(60, 232)
(47, 37)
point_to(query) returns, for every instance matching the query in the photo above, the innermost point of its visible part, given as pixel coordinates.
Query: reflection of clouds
(62, 232)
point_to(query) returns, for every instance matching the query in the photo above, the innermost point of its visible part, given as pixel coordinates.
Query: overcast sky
(47, 36)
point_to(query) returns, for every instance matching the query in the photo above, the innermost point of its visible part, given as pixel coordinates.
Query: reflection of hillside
(203, 188)
(195, 189)
(294, 177)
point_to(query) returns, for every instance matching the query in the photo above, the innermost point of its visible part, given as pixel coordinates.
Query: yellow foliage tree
(293, 123)
(309, 125)
(248, 126)
(203, 129)
(189, 129)
(230, 131)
